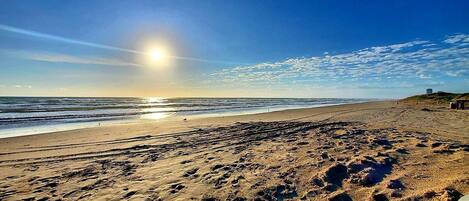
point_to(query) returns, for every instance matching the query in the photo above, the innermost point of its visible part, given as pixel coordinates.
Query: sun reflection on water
(155, 100)
(157, 113)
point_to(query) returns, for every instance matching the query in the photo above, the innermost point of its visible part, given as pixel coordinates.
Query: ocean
(33, 115)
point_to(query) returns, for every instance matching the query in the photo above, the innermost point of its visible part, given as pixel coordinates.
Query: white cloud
(22, 86)
(457, 39)
(64, 58)
(418, 59)
(17, 86)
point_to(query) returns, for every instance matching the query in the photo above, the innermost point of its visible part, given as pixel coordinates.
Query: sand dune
(369, 151)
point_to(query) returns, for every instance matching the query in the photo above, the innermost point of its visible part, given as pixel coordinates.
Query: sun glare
(157, 54)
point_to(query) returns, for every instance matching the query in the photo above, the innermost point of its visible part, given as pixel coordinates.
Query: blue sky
(381, 49)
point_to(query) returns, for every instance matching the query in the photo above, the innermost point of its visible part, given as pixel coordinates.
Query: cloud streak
(63, 39)
(419, 59)
(64, 58)
(100, 46)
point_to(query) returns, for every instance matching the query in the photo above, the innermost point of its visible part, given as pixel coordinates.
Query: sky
(242, 48)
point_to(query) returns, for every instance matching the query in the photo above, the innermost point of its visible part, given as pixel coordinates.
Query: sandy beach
(366, 151)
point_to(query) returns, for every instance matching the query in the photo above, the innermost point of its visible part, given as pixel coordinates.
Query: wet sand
(366, 151)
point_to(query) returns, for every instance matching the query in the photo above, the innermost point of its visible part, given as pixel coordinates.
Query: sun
(157, 54)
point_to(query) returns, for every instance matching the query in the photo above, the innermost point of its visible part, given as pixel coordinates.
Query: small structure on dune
(429, 91)
(459, 104)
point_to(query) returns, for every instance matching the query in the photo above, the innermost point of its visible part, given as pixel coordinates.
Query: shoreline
(169, 116)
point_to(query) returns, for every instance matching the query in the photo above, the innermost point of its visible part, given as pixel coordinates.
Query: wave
(21, 110)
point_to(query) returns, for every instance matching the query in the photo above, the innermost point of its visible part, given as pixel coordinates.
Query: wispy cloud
(419, 59)
(17, 86)
(101, 46)
(23, 86)
(64, 58)
(458, 38)
(63, 39)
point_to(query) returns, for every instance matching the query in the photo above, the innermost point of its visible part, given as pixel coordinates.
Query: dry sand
(368, 151)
